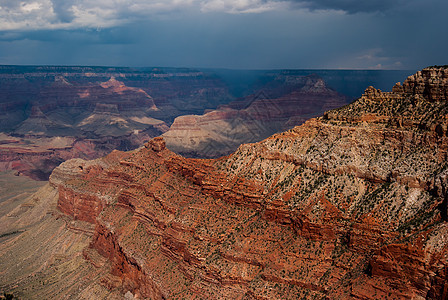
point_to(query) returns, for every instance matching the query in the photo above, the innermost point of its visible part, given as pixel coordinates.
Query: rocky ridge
(279, 106)
(351, 205)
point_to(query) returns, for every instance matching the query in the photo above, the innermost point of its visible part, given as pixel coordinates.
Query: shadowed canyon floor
(350, 205)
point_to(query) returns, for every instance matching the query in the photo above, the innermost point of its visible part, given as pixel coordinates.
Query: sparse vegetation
(7, 296)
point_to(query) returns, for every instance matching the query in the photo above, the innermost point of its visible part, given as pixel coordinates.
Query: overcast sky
(242, 34)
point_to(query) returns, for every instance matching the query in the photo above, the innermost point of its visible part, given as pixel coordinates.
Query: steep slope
(351, 205)
(44, 254)
(280, 105)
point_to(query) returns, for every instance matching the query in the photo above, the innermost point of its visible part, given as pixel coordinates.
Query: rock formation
(351, 205)
(104, 108)
(280, 105)
(93, 110)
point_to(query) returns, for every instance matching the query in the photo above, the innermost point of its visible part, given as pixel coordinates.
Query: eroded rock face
(349, 205)
(98, 109)
(431, 83)
(157, 144)
(253, 118)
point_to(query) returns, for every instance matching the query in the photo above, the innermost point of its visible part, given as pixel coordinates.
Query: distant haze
(241, 34)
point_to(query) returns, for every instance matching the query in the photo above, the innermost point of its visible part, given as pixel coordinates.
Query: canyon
(349, 205)
(282, 104)
(49, 114)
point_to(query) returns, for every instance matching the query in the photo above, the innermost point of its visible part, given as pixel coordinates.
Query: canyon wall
(100, 109)
(350, 205)
(280, 105)
(93, 110)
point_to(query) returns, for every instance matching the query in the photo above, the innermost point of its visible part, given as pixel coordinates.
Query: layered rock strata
(279, 106)
(349, 205)
(99, 109)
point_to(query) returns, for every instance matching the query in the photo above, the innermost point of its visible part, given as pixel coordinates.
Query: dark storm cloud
(11, 36)
(226, 33)
(63, 14)
(76, 37)
(350, 6)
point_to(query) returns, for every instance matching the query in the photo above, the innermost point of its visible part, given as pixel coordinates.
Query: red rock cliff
(349, 205)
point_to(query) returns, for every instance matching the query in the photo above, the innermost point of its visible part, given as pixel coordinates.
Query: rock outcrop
(351, 205)
(431, 83)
